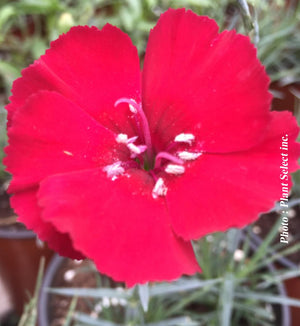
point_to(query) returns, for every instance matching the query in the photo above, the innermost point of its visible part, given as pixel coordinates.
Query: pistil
(136, 108)
(171, 161)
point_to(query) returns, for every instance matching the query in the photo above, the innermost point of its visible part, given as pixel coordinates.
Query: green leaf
(6, 13)
(180, 321)
(88, 320)
(69, 317)
(92, 293)
(278, 254)
(278, 277)
(255, 310)
(9, 73)
(270, 298)
(226, 300)
(143, 290)
(262, 251)
(38, 7)
(180, 286)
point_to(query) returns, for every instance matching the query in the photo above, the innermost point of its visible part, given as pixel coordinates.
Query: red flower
(126, 167)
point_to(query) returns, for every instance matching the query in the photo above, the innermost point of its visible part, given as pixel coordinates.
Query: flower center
(171, 161)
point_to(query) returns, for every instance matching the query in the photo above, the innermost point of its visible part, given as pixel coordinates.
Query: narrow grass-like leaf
(180, 321)
(90, 321)
(278, 255)
(92, 293)
(180, 286)
(69, 317)
(279, 277)
(257, 311)
(270, 298)
(143, 291)
(226, 300)
(261, 252)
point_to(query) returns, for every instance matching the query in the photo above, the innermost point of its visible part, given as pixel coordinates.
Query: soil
(69, 275)
(75, 274)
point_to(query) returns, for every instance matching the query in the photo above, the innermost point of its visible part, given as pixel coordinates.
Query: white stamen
(159, 189)
(188, 156)
(136, 149)
(185, 138)
(122, 139)
(132, 139)
(68, 153)
(132, 108)
(113, 170)
(174, 169)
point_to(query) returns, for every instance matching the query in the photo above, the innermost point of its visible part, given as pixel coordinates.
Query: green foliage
(235, 287)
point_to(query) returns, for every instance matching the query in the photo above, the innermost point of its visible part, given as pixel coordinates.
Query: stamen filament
(168, 157)
(144, 122)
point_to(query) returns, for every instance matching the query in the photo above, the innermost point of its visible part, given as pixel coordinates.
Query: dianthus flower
(127, 167)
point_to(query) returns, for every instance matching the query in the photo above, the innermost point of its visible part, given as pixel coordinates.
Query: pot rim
(16, 234)
(43, 302)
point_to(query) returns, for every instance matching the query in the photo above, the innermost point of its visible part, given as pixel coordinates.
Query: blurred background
(228, 293)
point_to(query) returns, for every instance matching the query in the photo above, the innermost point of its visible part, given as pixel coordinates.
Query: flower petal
(25, 205)
(220, 191)
(92, 68)
(198, 81)
(117, 224)
(52, 135)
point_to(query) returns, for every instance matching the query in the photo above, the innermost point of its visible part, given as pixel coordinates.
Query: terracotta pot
(293, 290)
(19, 261)
(287, 98)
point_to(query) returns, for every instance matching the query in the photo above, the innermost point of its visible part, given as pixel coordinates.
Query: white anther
(132, 108)
(113, 170)
(136, 149)
(68, 153)
(174, 169)
(122, 139)
(188, 156)
(159, 189)
(185, 138)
